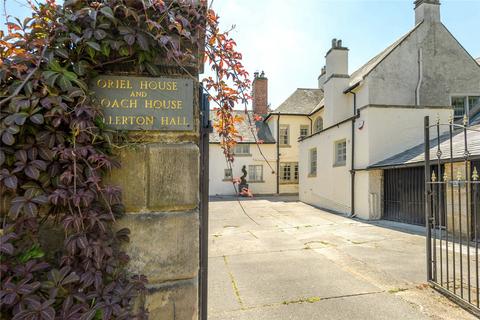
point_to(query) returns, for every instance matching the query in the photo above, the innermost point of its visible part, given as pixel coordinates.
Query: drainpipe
(352, 170)
(352, 165)
(311, 124)
(278, 154)
(420, 76)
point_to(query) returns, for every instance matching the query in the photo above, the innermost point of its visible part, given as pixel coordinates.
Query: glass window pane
(284, 135)
(340, 152)
(473, 105)
(313, 161)
(459, 105)
(318, 124)
(228, 174)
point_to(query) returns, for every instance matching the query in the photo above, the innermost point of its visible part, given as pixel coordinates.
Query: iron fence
(452, 209)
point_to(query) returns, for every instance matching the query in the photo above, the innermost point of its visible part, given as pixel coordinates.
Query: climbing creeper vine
(56, 150)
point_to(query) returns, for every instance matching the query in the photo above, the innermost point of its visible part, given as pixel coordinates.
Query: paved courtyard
(283, 259)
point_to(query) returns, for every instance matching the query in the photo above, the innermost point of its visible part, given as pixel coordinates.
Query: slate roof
(416, 155)
(364, 70)
(302, 101)
(262, 131)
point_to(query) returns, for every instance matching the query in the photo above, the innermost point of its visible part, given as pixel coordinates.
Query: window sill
(341, 164)
(256, 181)
(243, 155)
(285, 146)
(312, 175)
(227, 180)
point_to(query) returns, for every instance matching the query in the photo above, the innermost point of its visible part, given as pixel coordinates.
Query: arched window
(318, 125)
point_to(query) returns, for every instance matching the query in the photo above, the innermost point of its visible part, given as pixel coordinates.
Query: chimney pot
(339, 43)
(334, 43)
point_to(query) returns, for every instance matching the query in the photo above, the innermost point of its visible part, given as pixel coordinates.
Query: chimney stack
(336, 60)
(427, 10)
(260, 93)
(321, 77)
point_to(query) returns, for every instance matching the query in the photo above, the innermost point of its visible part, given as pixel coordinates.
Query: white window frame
(281, 138)
(312, 171)
(466, 98)
(337, 161)
(315, 124)
(242, 149)
(253, 168)
(293, 172)
(304, 127)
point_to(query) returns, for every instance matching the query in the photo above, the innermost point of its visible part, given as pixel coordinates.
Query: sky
(288, 39)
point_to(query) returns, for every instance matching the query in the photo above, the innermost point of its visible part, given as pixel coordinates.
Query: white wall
(219, 186)
(384, 132)
(393, 130)
(330, 189)
(290, 153)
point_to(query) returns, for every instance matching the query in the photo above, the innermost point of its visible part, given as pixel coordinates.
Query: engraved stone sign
(144, 103)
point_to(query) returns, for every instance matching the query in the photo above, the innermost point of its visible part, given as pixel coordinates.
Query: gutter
(331, 127)
(417, 163)
(285, 114)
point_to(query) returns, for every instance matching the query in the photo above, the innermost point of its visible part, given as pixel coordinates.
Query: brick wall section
(159, 178)
(260, 95)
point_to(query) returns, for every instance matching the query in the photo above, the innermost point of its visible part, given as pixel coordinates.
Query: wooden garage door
(404, 195)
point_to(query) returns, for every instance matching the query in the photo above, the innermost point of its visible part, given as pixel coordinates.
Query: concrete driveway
(283, 259)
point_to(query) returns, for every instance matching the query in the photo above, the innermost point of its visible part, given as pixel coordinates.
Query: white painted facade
(220, 185)
(414, 78)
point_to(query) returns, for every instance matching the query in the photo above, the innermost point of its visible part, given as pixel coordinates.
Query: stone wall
(159, 178)
(457, 221)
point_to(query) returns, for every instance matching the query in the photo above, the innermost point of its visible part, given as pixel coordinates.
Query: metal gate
(205, 130)
(404, 196)
(452, 210)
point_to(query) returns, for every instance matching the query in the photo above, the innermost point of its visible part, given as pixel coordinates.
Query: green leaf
(47, 74)
(34, 252)
(62, 53)
(28, 88)
(152, 69)
(55, 66)
(80, 67)
(108, 12)
(64, 83)
(91, 52)
(70, 75)
(81, 84)
(94, 45)
(51, 80)
(124, 51)
(106, 49)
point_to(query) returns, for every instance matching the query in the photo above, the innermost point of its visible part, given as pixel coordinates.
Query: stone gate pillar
(159, 178)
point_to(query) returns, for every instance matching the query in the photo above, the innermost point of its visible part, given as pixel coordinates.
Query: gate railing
(452, 214)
